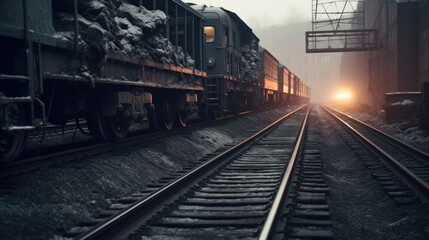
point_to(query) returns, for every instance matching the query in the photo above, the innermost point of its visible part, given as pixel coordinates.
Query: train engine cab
(225, 36)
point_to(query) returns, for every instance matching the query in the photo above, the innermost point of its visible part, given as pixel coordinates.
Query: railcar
(227, 90)
(292, 88)
(47, 78)
(299, 90)
(294, 91)
(269, 78)
(284, 83)
(296, 85)
(307, 94)
(51, 76)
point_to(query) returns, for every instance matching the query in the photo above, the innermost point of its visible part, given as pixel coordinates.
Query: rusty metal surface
(78, 79)
(152, 64)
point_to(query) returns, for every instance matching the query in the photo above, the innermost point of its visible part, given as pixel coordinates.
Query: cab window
(209, 31)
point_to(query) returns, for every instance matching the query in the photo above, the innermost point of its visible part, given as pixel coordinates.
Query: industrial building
(401, 61)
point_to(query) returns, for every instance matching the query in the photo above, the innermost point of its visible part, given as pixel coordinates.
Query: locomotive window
(209, 31)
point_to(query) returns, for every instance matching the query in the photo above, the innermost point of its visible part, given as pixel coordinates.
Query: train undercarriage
(108, 113)
(162, 96)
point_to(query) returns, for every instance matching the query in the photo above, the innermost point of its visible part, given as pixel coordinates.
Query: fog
(281, 26)
(262, 13)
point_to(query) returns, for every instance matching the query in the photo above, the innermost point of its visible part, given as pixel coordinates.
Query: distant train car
(307, 94)
(269, 78)
(293, 89)
(299, 95)
(284, 83)
(304, 93)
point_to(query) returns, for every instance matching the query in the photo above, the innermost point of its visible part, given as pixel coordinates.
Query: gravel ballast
(49, 201)
(359, 207)
(404, 130)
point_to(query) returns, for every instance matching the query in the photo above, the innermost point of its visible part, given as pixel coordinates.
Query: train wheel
(12, 143)
(182, 119)
(115, 129)
(97, 125)
(167, 115)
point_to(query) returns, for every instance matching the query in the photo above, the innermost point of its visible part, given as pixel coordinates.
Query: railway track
(402, 170)
(238, 193)
(69, 152)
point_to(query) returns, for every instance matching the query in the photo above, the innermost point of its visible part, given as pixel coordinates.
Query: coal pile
(250, 62)
(119, 27)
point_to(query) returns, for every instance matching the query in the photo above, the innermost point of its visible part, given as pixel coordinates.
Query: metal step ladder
(212, 87)
(31, 86)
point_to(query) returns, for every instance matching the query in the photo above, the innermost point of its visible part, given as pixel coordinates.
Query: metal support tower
(339, 26)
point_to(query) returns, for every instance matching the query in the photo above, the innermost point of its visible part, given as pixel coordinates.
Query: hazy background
(263, 13)
(281, 26)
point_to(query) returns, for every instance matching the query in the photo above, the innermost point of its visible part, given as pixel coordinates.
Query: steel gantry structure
(339, 26)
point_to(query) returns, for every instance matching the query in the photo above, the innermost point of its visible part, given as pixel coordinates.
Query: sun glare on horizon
(343, 96)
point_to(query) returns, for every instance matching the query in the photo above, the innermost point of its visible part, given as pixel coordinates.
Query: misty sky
(261, 13)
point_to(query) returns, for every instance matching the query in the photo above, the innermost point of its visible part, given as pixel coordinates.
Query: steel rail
(32, 163)
(269, 224)
(407, 146)
(422, 187)
(145, 204)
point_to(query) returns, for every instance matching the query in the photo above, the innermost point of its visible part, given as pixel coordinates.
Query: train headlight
(211, 61)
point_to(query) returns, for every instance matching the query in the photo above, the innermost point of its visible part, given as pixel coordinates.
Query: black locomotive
(116, 63)
(241, 74)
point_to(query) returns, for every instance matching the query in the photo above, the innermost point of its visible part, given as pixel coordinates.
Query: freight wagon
(65, 59)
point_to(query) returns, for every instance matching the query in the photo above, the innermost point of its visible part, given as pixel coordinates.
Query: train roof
(224, 14)
(262, 49)
(244, 27)
(188, 7)
(283, 66)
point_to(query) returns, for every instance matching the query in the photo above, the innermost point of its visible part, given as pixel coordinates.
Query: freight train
(116, 63)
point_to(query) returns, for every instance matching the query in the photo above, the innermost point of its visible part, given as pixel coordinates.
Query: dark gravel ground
(51, 200)
(404, 130)
(360, 209)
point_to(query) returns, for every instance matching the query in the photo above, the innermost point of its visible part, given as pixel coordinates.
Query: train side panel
(284, 75)
(52, 77)
(269, 78)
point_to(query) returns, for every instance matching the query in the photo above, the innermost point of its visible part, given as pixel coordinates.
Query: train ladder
(32, 85)
(212, 88)
(25, 101)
